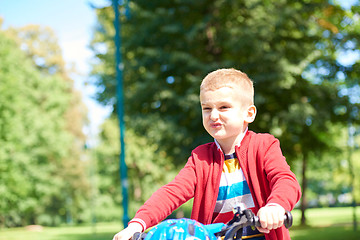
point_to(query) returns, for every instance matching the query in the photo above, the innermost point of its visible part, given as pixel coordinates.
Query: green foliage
(282, 45)
(46, 57)
(37, 179)
(328, 178)
(148, 169)
(290, 49)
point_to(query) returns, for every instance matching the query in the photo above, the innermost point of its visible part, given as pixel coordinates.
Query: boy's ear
(250, 114)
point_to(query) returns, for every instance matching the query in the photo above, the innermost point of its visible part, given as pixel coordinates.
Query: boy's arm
(168, 198)
(284, 187)
(285, 190)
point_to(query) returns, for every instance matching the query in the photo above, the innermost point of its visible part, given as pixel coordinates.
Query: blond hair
(231, 78)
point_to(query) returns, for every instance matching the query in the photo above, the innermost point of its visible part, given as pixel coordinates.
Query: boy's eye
(224, 107)
(206, 108)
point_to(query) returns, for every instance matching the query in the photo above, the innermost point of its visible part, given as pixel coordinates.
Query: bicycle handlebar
(138, 236)
(242, 218)
(288, 220)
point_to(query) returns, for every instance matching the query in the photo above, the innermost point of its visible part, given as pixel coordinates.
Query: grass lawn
(100, 231)
(324, 224)
(323, 217)
(325, 233)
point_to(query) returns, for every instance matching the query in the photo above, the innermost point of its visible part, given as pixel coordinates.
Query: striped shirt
(234, 190)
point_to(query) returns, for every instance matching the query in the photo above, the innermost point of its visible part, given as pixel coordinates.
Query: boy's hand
(271, 217)
(128, 232)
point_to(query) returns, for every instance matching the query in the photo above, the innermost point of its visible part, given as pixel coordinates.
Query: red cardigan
(266, 171)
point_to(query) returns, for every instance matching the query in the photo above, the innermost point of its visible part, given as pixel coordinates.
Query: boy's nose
(214, 115)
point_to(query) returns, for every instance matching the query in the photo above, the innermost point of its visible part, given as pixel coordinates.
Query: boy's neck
(229, 147)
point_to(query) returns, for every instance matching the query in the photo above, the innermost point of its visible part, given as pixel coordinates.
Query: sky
(73, 22)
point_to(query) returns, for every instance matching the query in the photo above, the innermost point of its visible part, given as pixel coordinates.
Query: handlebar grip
(288, 220)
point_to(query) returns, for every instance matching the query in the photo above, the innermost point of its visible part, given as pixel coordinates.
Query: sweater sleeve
(284, 188)
(168, 198)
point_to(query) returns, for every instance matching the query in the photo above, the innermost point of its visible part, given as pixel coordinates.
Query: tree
(289, 48)
(40, 44)
(148, 170)
(42, 175)
(47, 57)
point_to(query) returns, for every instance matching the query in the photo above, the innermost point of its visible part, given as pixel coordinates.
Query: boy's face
(224, 116)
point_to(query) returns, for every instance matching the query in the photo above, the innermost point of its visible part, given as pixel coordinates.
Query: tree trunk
(303, 205)
(352, 173)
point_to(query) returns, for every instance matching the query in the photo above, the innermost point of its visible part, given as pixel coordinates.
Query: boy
(240, 166)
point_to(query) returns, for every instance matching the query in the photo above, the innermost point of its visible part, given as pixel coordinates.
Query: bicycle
(243, 217)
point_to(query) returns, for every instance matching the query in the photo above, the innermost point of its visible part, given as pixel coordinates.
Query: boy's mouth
(215, 125)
